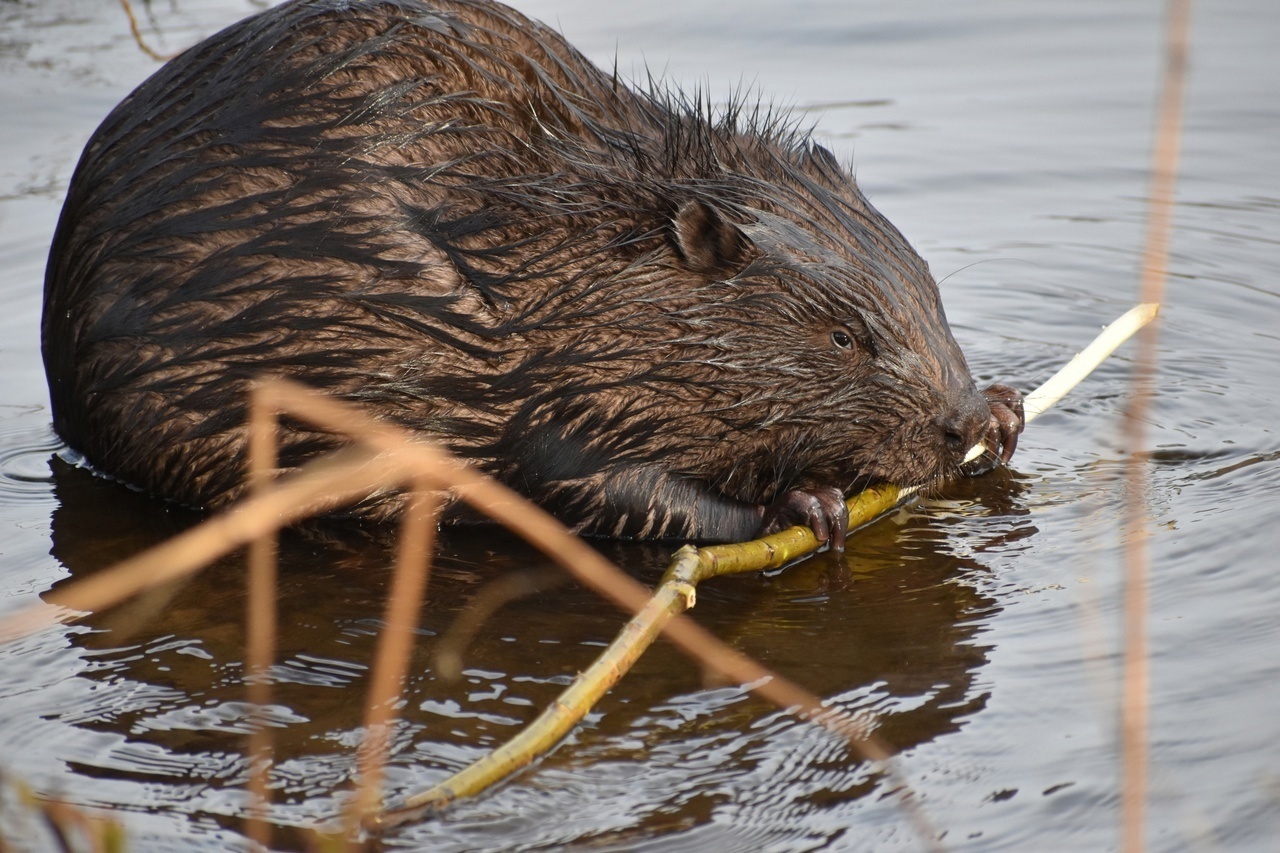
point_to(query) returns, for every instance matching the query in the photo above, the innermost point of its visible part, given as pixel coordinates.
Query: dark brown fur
(656, 321)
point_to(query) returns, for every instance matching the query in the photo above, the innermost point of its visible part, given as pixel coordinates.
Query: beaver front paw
(822, 510)
(1007, 422)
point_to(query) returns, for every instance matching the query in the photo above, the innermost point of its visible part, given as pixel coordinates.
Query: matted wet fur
(656, 319)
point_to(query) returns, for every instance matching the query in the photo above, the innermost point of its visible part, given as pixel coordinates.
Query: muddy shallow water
(1009, 141)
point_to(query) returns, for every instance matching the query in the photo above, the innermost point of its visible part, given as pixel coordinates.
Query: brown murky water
(1010, 142)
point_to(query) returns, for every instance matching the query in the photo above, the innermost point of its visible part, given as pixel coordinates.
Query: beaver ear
(706, 241)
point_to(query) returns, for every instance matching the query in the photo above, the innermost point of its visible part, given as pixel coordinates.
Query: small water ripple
(225, 717)
(24, 464)
(318, 671)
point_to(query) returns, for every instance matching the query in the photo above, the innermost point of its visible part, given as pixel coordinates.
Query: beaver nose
(964, 423)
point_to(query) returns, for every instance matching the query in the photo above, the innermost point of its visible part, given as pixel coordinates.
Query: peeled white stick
(1061, 383)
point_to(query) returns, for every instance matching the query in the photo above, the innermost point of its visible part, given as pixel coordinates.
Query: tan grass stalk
(321, 486)
(1135, 697)
(260, 619)
(395, 645)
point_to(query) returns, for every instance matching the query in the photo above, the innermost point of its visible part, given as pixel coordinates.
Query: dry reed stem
(59, 820)
(318, 487)
(395, 645)
(260, 620)
(1135, 701)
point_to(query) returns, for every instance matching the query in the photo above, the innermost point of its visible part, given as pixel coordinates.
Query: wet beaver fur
(655, 319)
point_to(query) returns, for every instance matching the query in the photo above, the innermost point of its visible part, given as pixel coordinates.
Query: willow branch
(677, 592)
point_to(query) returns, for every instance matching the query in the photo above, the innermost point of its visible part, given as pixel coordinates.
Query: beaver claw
(822, 510)
(1007, 422)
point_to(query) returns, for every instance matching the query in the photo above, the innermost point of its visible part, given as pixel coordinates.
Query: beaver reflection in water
(656, 321)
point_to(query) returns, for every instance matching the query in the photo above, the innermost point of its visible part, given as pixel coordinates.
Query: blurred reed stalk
(260, 619)
(1135, 698)
(395, 644)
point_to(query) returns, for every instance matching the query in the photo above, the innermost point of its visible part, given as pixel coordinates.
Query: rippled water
(1010, 142)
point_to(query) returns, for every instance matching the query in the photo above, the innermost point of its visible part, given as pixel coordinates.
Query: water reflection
(903, 644)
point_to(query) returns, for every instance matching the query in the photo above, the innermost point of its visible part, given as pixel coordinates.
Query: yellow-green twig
(676, 593)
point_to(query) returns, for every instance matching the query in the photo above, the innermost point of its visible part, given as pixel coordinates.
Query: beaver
(656, 318)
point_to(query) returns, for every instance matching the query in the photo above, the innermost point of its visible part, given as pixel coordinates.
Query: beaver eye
(842, 339)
